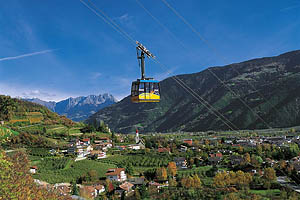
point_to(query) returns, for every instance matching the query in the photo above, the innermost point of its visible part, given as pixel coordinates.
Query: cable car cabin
(145, 91)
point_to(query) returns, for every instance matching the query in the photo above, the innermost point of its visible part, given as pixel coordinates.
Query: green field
(271, 192)
(65, 170)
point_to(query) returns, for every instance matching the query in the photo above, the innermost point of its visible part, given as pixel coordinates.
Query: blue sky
(56, 49)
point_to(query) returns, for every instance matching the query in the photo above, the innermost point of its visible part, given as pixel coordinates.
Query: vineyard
(40, 152)
(138, 160)
(54, 164)
(200, 171)
(31, 117)
(58, 170)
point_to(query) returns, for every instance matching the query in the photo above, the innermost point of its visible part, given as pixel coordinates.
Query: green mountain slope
(20, 113)
(275, 98)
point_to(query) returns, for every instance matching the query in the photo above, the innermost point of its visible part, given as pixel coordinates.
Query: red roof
(219, 155)
(161, 150)
(126, 186)
(86, 139)
(114, 171)
(34, 167)
(188, 141)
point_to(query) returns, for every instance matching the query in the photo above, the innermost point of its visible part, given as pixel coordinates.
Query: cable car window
(141, 87)
(151, 87)
(135, 89)
(147, 87)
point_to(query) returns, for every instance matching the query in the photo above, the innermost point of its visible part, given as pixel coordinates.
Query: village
(154, 163)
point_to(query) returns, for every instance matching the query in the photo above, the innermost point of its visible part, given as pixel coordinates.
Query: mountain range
(79, 108)
(254, 94)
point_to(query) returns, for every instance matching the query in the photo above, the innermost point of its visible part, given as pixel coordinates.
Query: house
(156, 185)
(236, 160)
(137, 181)
(86, 141)
(181, 162)
(163, 150)
(103, 140)
(92, 191)
(134, 146)
(98, 154)
(99, 189)
(188, 141)
(214, 160)
(101, 155)
(127, 187)
(33, 169)
(63, 189)
(183, 148)
(116, 174)
(121, 148)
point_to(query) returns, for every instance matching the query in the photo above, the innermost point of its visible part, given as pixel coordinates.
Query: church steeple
(137, 138)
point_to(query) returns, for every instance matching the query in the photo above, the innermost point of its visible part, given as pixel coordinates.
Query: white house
(116, 174)
(33, 169)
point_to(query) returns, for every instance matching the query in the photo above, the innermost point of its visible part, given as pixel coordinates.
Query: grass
(271, 192)
(195, 170)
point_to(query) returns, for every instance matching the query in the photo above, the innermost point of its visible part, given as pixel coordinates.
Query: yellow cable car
(144, 89)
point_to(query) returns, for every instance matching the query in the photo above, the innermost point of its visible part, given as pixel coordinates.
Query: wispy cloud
(27, 55)
(289, 8)
(124, 18)
(37, 93)
(96, 75)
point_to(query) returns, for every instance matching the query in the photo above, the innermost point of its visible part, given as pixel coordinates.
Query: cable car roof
(148, 81)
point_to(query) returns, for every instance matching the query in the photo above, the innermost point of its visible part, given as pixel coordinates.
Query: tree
(161, 174)
(197, 181)
(137, 194)
(109, 186)
(172, 182)
(190, 182)
(247, 158)
(259, 150)
(219, 178)
(17, 183)
(144, 192)
(243, 179)
(231, 196)
(241, 149)
(75, 189)
(172, 169)
(269, 176)
(282, 164)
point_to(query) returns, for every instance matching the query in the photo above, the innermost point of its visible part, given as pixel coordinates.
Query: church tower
(137, 138)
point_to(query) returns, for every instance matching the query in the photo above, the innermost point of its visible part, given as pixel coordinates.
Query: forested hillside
(269, 86)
